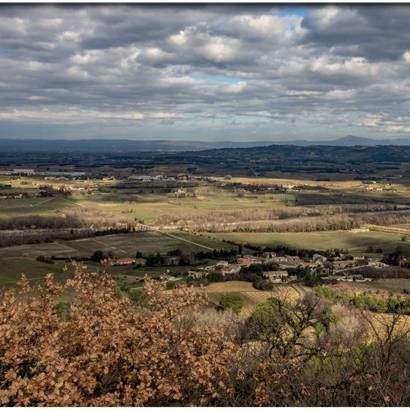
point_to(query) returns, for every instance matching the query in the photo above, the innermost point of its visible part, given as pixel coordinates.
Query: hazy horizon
(204, 72)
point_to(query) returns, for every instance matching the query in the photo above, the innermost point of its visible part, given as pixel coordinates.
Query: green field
(17, 259)
(32, 206)
(355, 242)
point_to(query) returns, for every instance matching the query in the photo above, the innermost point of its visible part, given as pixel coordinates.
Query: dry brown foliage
(109, 352)
(106, 350)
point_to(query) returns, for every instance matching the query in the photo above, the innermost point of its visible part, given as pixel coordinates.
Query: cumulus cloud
(204, 71)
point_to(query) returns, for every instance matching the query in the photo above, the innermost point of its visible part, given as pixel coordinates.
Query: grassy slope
(252, 296)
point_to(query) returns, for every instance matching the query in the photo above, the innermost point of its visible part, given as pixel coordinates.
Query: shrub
(171, 284)
(231, 301)
(175, 252)
(109, 353)
(100, 255)
(262, 319)
(263, 284)
(138, 296)
(42, 258)
(63, 310)
(215, 277)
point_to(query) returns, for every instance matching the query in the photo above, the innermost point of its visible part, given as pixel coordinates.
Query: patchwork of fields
(222, 201)
(17, 259)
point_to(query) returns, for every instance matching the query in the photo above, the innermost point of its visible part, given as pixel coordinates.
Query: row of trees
(41, 236)
(41, 222)
(297, 224)
(187, 259)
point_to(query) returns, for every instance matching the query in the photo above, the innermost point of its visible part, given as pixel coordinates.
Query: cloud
(210, 71)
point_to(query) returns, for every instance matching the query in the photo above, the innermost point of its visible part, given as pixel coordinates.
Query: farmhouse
(277, 276)
(143, 178)
(182, 193)
(247, 261)
(221, 264)
(287, 260)
(339, 265)
(224, 267)
(377, 263)
(197, 274)
(354, 278)
(231, 269)
(319, 258)
(124, 262)
(22, 171)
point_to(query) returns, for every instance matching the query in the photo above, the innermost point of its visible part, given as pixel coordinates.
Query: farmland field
(18, 259)
(354, 242)
(192, 222)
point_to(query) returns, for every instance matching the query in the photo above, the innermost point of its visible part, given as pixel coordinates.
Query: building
(124, 262)
(221, 265)
(319, 258)
(182, 193)
(197, 274)
(287, 260)
(231, 269)
(355, 278)
(341, 265)
(247, 261)
(277, 276)
(22, 171)
(72, 174)
(376, 263)
(143, 178)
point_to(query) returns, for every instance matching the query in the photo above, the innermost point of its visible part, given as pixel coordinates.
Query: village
(269, 267)
(340, 268)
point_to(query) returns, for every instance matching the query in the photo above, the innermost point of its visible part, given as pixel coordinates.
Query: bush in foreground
(109, 352)
(104, 349)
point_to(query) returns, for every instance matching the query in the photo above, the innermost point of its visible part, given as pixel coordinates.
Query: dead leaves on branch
(103, 349)
(109, 352)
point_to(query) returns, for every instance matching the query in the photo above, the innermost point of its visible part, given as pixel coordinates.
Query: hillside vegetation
(162, 348)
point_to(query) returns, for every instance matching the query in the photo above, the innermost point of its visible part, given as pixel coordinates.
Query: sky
(204, 72)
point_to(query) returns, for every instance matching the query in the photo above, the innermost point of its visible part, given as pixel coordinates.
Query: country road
(154, 229)
(184, 240)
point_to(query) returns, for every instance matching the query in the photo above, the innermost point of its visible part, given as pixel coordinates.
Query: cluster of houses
(182, 193)
(338, 267)
(13, 195)
(335, 268)
(228, 269)
(374, 186)
(347, 278)
(32, 172)
(152, 178)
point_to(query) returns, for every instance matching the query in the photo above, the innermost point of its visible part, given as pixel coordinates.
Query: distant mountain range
(349, 141)
(126, 146)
